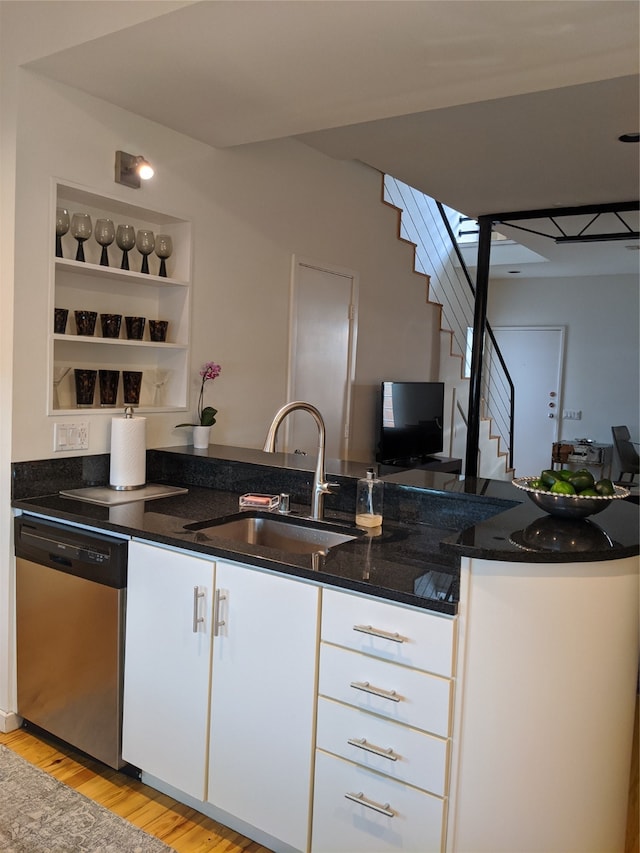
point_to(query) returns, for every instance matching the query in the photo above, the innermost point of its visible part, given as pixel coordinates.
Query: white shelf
(97, 273)
(115, 342)
(89, 286)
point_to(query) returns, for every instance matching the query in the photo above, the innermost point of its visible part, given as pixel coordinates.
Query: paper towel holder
(128, 415)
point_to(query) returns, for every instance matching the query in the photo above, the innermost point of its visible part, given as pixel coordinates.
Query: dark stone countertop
(397, 565)
(431, 520)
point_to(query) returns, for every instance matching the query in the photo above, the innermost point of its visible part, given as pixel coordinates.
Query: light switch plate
(71, 436)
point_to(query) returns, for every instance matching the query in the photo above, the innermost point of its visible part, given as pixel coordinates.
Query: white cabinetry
(544, 718)
(168, 665)
(263, 700)
(220, 675)
(384, 720)
(88, 286)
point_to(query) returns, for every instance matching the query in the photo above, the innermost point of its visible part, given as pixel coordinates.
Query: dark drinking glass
(110, 325)
(86, 322)
(135, 327)
(158, 330)
(85, 387)
(108, 380)
(131, 382)
(60, 320)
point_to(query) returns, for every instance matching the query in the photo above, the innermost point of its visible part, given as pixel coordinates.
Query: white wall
(251, 208)
(602, 344)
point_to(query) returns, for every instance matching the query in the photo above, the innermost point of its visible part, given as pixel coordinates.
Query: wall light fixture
(131, 168)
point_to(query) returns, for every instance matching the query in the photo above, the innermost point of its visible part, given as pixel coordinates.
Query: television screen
(410, 421)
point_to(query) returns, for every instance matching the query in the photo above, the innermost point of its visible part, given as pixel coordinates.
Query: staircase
(422, 224)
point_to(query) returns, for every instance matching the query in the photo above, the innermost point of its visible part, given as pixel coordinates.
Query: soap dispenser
(369, 496)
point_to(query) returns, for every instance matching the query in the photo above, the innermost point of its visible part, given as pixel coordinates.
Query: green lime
(581, 480)
(588, 493)
(537, 484)
(605, 487)
(565, 474)
(561, 487)
(549, 477)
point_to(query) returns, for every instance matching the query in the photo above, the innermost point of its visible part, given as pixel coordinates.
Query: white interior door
(321, 355)
(534, 357)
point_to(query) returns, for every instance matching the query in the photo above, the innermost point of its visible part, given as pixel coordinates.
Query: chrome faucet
(320, 485)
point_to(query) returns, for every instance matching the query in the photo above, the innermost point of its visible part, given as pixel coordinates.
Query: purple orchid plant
(206, 415)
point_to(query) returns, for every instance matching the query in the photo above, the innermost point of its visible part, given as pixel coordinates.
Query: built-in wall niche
(108, 289)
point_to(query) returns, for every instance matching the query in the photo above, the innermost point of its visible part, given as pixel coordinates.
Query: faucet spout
(320, 485)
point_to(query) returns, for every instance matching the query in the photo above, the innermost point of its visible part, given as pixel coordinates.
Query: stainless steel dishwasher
(70, 600)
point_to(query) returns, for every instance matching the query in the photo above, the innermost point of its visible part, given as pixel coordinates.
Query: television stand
(447, 464)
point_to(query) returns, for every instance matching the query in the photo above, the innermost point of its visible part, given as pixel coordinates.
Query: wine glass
(59, 374)
(164, 248)
(145, 243)
(105, 234)
(62, 226)
(160, 379)
(81, 229)
(126, 240)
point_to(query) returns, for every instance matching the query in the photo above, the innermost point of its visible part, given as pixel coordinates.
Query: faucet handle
(328, 488)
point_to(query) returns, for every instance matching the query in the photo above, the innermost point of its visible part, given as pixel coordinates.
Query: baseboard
(219, 815)
(9, 721)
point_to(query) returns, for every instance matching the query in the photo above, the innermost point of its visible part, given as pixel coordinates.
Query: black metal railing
(426, 223)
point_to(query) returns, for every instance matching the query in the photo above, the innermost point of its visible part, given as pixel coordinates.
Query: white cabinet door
(262, 707)
(167, 665)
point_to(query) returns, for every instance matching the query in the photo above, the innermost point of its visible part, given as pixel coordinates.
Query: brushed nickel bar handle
(377, 632)
(371, 804)
(197, 620)
(376, 691)
(217, 621)
(362, 743)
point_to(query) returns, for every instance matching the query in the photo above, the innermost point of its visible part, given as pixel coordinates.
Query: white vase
(201, 435)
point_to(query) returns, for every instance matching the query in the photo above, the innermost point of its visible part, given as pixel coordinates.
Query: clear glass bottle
(369, 498)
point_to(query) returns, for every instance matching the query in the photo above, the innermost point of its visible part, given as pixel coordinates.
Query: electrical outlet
(71, 436)
(572, 414)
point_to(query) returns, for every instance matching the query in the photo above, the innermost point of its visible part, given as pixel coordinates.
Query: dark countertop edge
(260, 561)
(520, 554)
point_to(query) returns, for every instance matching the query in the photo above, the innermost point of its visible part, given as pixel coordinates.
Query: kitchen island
(520, 666)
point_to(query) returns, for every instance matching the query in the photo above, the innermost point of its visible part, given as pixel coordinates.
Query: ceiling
(486, 105)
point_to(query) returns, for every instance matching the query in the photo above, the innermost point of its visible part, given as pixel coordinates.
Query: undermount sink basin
(299, 536)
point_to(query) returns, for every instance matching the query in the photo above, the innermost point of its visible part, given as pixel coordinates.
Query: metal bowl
(568, 506)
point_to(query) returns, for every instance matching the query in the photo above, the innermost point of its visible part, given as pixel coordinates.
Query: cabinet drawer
(417, 639)
(398, 751)
(396, 692)
(413, 821)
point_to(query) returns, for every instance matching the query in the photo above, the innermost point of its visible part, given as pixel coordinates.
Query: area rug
(39, 814)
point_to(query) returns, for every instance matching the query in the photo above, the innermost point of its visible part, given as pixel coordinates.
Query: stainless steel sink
(285, 534)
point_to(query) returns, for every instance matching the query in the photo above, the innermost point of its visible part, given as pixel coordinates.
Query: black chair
(627, 454)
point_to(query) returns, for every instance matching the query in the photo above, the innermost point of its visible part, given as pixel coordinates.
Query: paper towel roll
(128, 453)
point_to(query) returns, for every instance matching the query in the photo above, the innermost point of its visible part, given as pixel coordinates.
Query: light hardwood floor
(179, 826)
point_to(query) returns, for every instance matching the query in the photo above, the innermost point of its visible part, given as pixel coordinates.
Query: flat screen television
(410, 419)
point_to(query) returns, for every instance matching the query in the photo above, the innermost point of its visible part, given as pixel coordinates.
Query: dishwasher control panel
(70, 549)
